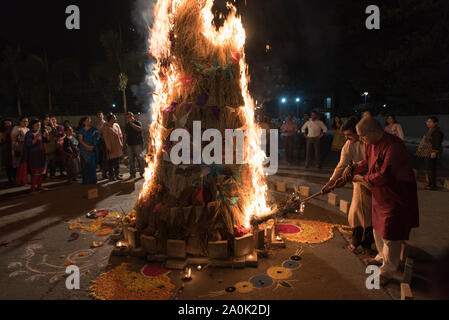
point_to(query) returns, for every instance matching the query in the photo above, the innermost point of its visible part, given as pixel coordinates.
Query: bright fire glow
(233, 35)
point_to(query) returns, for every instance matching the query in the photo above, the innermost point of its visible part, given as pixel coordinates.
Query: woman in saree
(339, 138)
(88, 139)
(394, 128)
(17, 141)
(33, 157)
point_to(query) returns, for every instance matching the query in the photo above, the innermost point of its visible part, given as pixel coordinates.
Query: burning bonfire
(200, 75)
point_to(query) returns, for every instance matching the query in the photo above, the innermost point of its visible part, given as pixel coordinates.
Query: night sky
(294, 27)
(39, 25)
(320, 48)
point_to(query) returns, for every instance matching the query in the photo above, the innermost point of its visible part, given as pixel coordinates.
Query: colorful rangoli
(306, 231)
(275, 277)
(122, 284)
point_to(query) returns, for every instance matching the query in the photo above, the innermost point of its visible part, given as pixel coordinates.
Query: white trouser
(389, 255)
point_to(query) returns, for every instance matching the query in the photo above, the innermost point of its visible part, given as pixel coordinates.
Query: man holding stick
(360, 211)
(388, 171)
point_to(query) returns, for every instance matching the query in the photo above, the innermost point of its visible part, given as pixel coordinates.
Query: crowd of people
(38, 148)
(309, 132)
(374, 158)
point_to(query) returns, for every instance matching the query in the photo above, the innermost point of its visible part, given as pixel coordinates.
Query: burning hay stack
(200, 78)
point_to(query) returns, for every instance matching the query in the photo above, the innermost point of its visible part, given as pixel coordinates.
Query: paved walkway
(427, 243)
(34, 245)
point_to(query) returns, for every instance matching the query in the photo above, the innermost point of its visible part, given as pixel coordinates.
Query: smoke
(143, 18)
(142, 15)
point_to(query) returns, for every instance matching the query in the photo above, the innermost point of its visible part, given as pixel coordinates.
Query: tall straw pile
(172, 207)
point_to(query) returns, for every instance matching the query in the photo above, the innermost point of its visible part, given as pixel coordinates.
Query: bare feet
(352, 248)
(372, 261)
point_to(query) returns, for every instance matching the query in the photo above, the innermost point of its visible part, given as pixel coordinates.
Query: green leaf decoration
(211, 73)
(234, 200)
(199, 67)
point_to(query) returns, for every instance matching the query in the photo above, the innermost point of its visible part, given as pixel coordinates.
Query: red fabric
(39, 181)
(187, 81)
(389, 172)
(153, 271)
(240, 231)
(158, 207)
(236, 58)
(147, 203)
(199, 194)
(34, 182)
(288, 228)
(22, 174)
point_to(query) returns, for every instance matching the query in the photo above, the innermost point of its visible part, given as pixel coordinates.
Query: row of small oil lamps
(188, 271)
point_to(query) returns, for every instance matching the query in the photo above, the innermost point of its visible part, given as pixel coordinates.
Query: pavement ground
(35, 230)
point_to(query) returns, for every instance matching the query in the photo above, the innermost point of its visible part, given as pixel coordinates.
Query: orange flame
(231, 34)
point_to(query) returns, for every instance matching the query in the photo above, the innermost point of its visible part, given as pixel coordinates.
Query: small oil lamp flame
(121, 245)
(188, 275)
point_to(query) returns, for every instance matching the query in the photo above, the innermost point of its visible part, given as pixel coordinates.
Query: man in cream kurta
(360, 211)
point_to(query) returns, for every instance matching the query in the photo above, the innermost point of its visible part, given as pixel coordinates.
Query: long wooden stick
(282, 212)
(311, 197)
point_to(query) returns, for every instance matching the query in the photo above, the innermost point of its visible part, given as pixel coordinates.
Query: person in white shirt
(313, 130)
(359, 217)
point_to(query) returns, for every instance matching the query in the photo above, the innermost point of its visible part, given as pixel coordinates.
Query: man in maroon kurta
(388, 170)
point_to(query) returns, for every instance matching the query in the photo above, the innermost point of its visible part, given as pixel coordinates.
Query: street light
(365, 94)
(298, 100)
(284, 100)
